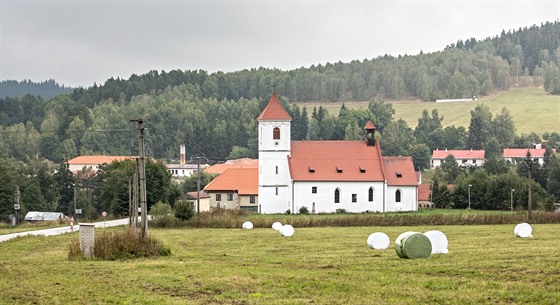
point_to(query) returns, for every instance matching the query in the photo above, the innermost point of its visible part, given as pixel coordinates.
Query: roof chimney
(182, 158)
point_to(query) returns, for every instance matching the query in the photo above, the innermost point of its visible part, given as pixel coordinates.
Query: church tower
(274, 150)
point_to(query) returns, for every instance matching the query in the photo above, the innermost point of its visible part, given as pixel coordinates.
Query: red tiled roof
(245, 181)
(369, 125)
(399, 171)
(424, 192)
(335, 161)
(96, 160)
(522, 152)
(458, 154)
(243, 161)
(222, 167)
(274, 111)
(192, 195)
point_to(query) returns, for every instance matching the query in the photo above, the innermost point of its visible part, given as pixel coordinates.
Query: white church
(325, 176)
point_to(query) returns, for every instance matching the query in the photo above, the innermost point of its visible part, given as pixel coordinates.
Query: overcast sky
(80, 42)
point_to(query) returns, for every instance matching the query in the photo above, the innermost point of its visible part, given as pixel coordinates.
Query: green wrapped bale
(413, 245)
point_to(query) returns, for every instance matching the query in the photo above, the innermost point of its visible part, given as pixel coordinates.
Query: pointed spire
(274, 111)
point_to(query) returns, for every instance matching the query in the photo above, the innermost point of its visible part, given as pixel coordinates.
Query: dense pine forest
(18, 89)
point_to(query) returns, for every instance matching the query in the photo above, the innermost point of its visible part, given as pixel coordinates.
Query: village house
(463, 157)
(92, 162)
(514, 155)
(183, 169)
(326, 176)
(199, 200)
(235, 188)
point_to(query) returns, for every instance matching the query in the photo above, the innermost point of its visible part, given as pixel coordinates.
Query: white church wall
(409, 199)
(325, 195)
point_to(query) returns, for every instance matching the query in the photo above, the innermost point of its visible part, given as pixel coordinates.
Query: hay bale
(523, 230)
(413, 245)
(277, 226)
(287, 230)
(247, 225)
(378, 241)
(438, 240)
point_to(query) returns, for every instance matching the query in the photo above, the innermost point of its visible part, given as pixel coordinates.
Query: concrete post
(87, 238)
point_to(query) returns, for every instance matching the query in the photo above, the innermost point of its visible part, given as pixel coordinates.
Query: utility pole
(198, 188)
(16, 205)
(142, 180)
(529, 201)
(135, 196)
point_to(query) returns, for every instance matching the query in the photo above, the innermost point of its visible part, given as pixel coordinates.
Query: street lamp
(432, 196)
(469, 196)
(511, 198)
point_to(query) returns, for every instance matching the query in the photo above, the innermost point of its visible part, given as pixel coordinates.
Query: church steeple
(274, 111)
(370, 133)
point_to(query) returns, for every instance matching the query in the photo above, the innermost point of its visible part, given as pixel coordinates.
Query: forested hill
(464, 69)
(46, 90)
(214, 114)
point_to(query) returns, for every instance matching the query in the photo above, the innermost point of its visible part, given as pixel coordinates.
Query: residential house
(199, 201)
(515, 155)
(463, 157)
(92, 162)
(235, 188)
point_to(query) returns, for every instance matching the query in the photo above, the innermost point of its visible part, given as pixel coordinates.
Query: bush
(340, 211)
(184, 210)
(125, 244)
(163, 215)
(304, 210)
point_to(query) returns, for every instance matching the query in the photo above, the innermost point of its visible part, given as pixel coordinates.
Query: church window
(276, 169)
(276, 191)
(337, 196)
(398, 196)
(354, 197)
(276, 133)
(370, 194)
(314, 190)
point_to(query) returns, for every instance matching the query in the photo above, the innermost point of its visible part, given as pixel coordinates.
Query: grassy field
(532, 109)
(330, 265)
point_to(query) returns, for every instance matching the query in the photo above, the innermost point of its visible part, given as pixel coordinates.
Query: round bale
(438, 240)
(523, 230)
(277, 226)
(247, 225)
(378, 241)
(415, 245)
(287, 230)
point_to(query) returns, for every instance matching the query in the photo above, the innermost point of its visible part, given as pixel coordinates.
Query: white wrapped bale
(413, 245)
(287, 230)
(439, 241)
(277, 226)
(247, 225)
(523, 230)
(378, 241)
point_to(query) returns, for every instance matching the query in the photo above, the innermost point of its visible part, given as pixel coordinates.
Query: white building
(463, 157)
(325, 176)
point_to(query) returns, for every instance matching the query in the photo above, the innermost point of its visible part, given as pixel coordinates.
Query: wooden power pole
(142, 180)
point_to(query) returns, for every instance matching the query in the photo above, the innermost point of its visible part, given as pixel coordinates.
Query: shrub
(162, 215)
(184, 210)
(114, 245)
(340, 211)
(304, 210)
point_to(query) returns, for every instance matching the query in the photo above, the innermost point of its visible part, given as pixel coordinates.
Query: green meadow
(532, 109)
(486, 264)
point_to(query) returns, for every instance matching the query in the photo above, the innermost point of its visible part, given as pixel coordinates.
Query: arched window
(370, 194)
(276, 133)
(398, 196)
(337, 196)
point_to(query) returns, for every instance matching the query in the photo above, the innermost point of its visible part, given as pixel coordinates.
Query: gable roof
(522, 152)
(217, 169)
(95, 160)
(274, 111)
(458, 154)
(193, 195)
(424, 192)
(399, 171)
(244, 181)
(335, 161)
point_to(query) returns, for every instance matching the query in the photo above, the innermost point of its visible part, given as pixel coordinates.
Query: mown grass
(30, 226)
(532, 109)
(328, 265)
